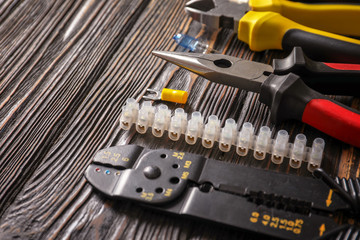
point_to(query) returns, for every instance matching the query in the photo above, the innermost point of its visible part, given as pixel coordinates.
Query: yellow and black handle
(269, 30)
(340, 18)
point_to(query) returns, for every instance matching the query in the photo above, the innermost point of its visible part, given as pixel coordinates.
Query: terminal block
(160, 120)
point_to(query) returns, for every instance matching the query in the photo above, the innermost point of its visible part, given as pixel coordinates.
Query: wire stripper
(274, 204)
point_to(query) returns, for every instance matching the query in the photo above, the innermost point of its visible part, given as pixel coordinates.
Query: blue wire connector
(191, 43)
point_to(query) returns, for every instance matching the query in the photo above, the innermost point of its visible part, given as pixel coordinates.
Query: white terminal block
(245, 139)
(145, 117)
(298, 151)
(262, 143)
(161, 120)
(194, 128)
(316, 154)
(178, 124)
(228, 135)
(129, 113)
(211, 131)
(280, 147)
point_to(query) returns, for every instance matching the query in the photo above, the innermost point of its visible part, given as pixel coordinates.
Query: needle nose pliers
(287, 95)
(267, 25)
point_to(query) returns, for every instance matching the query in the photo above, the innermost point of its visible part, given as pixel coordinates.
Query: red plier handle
(333, 119)
(290, 98)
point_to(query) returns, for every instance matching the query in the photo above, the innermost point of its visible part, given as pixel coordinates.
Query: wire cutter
(268, 26)
(287, 95)
(275, 204)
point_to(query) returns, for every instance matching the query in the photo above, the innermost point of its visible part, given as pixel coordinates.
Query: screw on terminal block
(160, 120)
(262, 143)
(298, 151)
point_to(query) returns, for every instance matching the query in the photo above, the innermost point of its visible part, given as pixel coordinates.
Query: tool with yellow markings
(280, 24)
(279, 205)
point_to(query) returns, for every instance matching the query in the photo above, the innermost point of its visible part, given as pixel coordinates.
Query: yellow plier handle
(269, 30)
(336, 18)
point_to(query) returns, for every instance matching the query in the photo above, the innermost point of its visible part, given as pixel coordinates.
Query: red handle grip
(333, 120)
(343, 66)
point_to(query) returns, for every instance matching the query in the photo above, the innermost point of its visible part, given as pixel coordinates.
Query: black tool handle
(327, 78)
(269, 30)
(322, 48)
(289, 98)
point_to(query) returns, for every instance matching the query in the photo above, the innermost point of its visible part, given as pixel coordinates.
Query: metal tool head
(221, 69)
(218, 13)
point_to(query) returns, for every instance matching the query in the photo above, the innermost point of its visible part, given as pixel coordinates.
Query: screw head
(152, 172)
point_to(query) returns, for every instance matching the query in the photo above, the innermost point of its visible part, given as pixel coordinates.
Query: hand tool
(286, 95)
(275, 204)
(264, 28)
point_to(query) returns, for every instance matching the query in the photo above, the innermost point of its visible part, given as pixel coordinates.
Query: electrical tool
(267, 25)
(275, 204)
(287, 95)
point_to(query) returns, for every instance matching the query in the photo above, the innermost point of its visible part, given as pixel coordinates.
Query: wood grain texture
(67, 67)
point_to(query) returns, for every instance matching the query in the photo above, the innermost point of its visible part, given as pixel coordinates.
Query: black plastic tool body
(266, 202)
(287, 96)
(321, 48)
(320, 76)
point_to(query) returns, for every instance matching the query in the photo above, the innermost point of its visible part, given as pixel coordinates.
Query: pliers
(287, 95)
(268, 25)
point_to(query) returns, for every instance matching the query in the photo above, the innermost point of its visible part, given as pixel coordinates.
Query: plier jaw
(217, 13)
(283, 25)
(287, 95)
(221, 69)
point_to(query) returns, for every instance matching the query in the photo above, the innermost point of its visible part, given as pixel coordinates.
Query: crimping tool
(280, 205)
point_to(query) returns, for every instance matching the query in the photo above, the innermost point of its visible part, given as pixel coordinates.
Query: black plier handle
(269, 30)
(336, 17)
(287, 95)
(324, 77)
(290, 98)
(267, 25)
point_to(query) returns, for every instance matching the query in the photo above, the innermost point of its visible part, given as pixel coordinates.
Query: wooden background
(67, 68)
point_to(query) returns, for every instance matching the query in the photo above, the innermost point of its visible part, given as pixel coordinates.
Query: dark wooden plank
(91, 99)
(66, 70)
(44, 83)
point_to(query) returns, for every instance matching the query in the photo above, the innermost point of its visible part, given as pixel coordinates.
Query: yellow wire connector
(170, 95)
